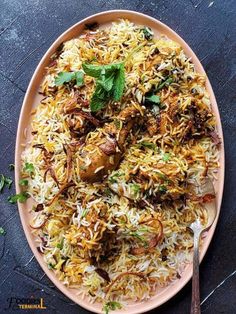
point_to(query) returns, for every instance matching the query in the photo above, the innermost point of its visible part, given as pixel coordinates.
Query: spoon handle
(195, 304)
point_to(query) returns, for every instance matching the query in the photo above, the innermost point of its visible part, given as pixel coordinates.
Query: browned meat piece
(163, 123)
(103, 150)
(152, 125)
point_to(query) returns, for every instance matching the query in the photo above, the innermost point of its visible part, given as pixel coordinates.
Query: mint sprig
(110, 83)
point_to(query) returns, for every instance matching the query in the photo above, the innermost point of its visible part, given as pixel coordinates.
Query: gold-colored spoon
(207, 192)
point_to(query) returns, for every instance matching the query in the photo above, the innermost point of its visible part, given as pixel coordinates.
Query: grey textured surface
(27, 28)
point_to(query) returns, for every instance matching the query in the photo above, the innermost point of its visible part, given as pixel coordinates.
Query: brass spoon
(206, 190)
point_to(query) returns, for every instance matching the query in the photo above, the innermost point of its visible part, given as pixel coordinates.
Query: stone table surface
(27, 29)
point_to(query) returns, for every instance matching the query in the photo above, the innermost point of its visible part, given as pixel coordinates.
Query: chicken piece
(103, 150)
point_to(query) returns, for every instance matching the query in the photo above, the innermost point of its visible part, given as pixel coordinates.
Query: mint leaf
(21, 197)
(79, 77)
(66, 77)
(92, 70)
(98, 99)
(110, 83)
(106, 82)
(119, 83)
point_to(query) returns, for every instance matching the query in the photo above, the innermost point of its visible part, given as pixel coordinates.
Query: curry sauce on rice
(124, 133)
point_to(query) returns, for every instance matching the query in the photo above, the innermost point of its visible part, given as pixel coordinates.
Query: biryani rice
(97, 225)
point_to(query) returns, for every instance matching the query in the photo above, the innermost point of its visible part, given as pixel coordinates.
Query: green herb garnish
(60, 245)
(166, 157)
(114, 177)
(110, 83)
(166, 82)
(147, 144)
(21, 197)
(147, 32)
(29, 168)
(138, 236)
(2, 231)
(51, 266)
(23, 182)
(107, 192)
(162, 176)
(66, 77)
(84, 212)
(135, 187)
(117, 124)
(111, 306)
(11, 167)
(153, 99)
(162, 188)
(5, 181)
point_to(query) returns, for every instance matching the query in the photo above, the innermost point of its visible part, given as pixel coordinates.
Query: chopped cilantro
(117, 124)
(153, 99)
(147, 32)
(11, 167)
(21, 197)
(166, 157)
(5, 181)
(135, 187)
(162, 188)
(113, 178)
(137, 235)
(60, 245)
(84, 212)
(2, 231)
(51, 266)
(8, 182)
(111, 306)
(29, 168)
(164, 83)
(107, 192)
(162, 176)
(23, 182)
